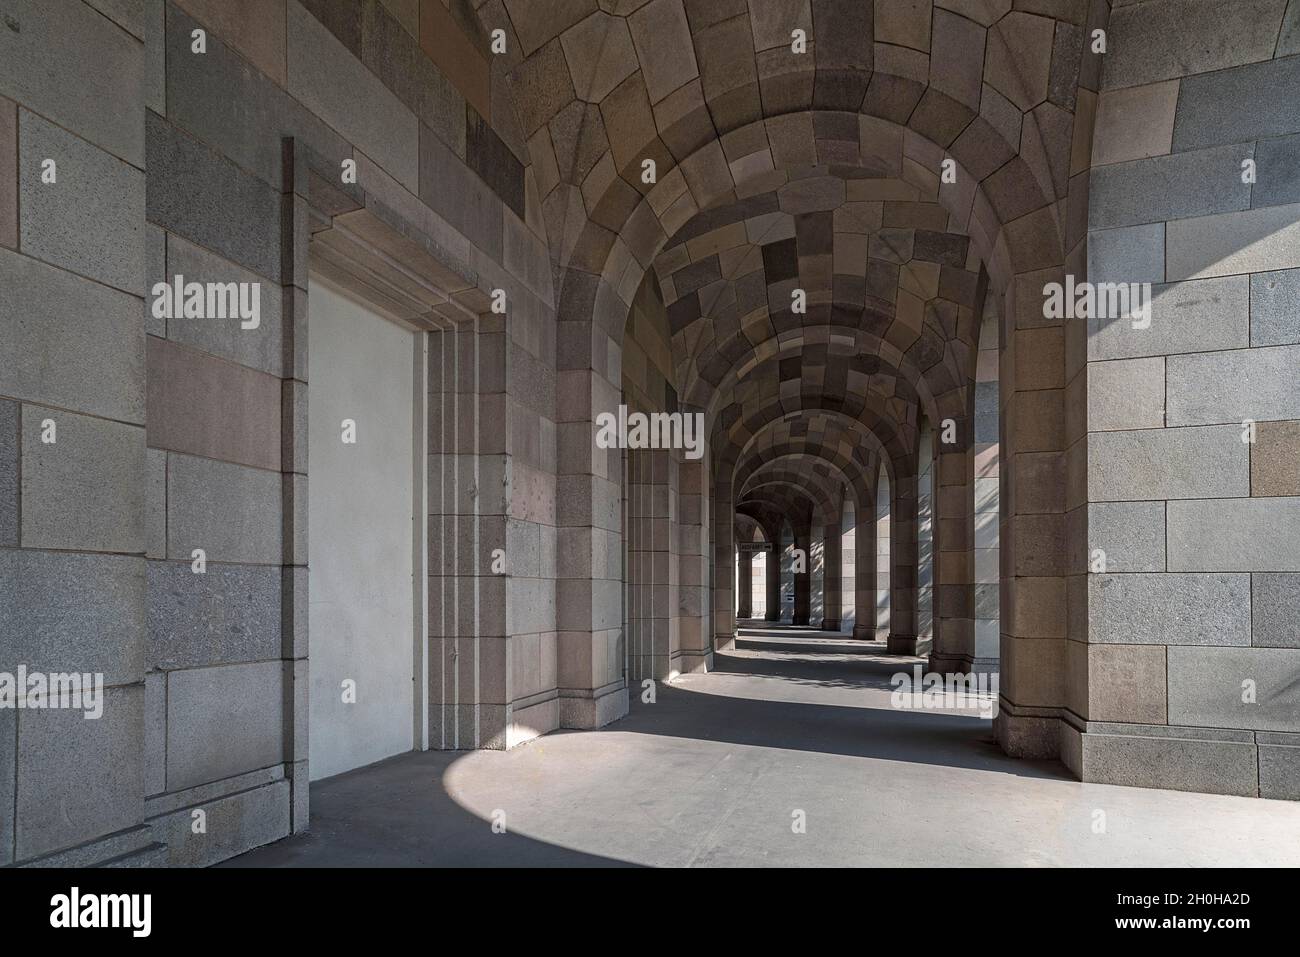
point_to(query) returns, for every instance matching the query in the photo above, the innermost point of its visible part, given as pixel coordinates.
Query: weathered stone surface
(8, 772)
(100, 370)
(91, 220)
(10, 424)
(1228, 106)
(1182, 762)
(1275, 610)
(1128, 254)
(229, 615)
(1233, 386)
(1275, 459)
(332, 83)
(254, 112)
(1168, 609)
(236, 824)
(259, 348)
(1278, 172)
(64, 612)
(459, 196)
(1197, 183)
(201, 195)
(1168, 38)
(1134, 123)
(223, 721)
(78, 778)
(1126, 394)
(1206, 688)
(1202, 315)
(256, 28)
(1019, 58)
(8, 174)
(230, 511)
(1205, 462)
(1131, 534)
(1253, 240)
(207, 406)
(1279, 766)
(1247, 534)
(1126, 683)
(43, 61)
(155, 733)
(1275, 308)
(86, 489)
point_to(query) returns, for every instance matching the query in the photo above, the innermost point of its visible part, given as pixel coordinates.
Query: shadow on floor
(397, 813)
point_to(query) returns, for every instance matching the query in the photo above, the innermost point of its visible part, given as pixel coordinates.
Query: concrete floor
(712, 773)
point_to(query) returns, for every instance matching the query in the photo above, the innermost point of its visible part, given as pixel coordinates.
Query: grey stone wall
(1188, 516)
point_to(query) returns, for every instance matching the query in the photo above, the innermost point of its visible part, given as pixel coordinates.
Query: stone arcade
(947, 457)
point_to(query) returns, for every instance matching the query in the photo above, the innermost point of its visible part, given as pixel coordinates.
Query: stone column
(802, 530)
(903, 577)
(831, 571)
(693, 566)
(864, 572)
(775, 561)
(745, 584)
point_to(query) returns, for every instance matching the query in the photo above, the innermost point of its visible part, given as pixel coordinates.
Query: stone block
(1255, 384)
(1126, 394)
(260, 347)
(230, 511)
(1018, 59)
(1254, 240)
(91, 220)
(86, 489)
(155, 733)
(229, 615)
(1134, 123)
(43, 61)
(1275, 459)
(1279, 766)
(1167, 38)
(99, 370)
(1132, 535)
(10, 424)
(1127, 254)
(459, 196)
(1150, 464)
(256, 28)
(333, 83)
(1275, 308)
(8, 174)
(1275, 610)
(454, 53)
(1207, 688)
(236, 823)
(8, 772)
(79, 778)
(1126, 683)
(1197, 183)
(210, 407)
(1162, 760)
(1198, 316)
(1227, 106)
(1248, 534)
(65, 612)
(1168, 609)
(203, 196)
(1277, 171)
(253, 112)
(223, 721)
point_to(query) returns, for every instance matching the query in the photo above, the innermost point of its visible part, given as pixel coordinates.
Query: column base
(772, 616)
(830, 624)
(586, 710)
(799, 620)
(864, 632)
(901, 644)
